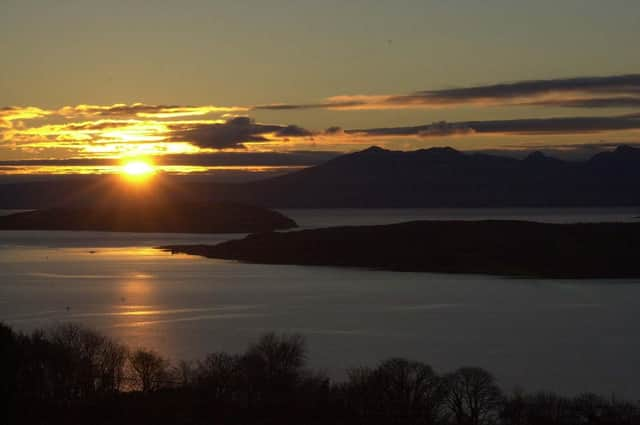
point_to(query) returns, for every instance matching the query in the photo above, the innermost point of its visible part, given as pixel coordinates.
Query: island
(515, 248)
(152, 217)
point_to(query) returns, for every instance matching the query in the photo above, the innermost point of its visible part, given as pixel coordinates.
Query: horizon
(263, 165)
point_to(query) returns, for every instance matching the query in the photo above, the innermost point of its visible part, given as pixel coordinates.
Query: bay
(565, 335)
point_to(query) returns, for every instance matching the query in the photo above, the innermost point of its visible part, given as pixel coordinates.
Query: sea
(567, 335)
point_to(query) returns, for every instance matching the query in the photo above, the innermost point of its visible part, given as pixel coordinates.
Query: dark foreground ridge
(493, 247)
(161, 217)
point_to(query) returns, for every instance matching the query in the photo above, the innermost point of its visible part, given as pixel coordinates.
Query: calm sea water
(565, 335)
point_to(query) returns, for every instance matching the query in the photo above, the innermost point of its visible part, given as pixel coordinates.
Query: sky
(290, 83)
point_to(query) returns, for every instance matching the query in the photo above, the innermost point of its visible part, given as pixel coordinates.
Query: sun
(137, 170)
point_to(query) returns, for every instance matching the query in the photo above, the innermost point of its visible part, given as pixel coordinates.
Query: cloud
(142, 110)
(146, 130)
(109, 133)
(335, 130)
(293, 131)
(11, 118)
(443, 128)
(532, 126)
(565, 125)
(233, 133)
(535, 88)
(273, 159)
(338, 102)
(597, 102)
(15, 113)
(436, 129)
(619, 91)
(565, 151)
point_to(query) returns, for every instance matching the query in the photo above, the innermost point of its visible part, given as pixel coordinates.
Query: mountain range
(444, 177)
(379, 178)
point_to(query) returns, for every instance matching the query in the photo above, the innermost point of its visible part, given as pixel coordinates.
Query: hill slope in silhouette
(379, 178)
(493, 247)
(444, 177)
(160, 217)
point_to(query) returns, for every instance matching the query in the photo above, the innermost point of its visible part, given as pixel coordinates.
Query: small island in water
(162, 217)
(515, 248)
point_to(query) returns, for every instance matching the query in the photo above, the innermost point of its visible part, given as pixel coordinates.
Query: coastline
(509, 248)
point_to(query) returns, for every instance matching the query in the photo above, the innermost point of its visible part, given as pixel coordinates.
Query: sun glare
(137, 170)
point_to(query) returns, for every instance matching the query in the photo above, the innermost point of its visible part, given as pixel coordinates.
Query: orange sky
(87, 80)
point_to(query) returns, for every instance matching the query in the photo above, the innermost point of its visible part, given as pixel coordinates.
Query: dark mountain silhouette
(444, 177)
(494, 247)
(375, 177)
(155, 217)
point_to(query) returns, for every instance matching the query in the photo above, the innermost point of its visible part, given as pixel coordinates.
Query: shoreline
(505, 248)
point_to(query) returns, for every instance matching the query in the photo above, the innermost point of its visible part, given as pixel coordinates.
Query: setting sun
(137, 169)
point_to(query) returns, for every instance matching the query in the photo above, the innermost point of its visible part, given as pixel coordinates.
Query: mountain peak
(443, 149)
(622, 153)
(374, 149)
(625, 149)
(538, 156)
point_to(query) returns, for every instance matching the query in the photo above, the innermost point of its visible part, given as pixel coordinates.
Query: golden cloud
(142, 110)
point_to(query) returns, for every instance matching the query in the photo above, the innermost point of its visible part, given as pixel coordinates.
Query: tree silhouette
(473, 396)
(411, 390)
(150, 371)
(71, 374)
(220, 376)
(88, 362)
(273, 367)
(397, 391)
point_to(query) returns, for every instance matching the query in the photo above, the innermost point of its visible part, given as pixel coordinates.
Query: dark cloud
(319, 105)
(620, 91)
(600, 102)
(334, 130)
(569, 125)
(529, 88)
(569, 152)
(444, 128)
(436, 129)
(233, 133)
(293, 131)
(291, 158)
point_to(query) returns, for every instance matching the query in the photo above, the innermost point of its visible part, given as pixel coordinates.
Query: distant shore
(152, 217)
(511, 248)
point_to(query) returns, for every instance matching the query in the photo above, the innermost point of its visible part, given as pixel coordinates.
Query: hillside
(379, 178)
(493, 247)
(164, 218)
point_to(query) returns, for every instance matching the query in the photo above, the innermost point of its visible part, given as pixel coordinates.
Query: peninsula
(155, 217)
(516, 248)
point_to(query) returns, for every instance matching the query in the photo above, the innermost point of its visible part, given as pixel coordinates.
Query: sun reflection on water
(137, 287)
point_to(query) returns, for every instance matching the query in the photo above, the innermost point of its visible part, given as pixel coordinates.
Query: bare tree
(88, 362)
(397, 391)
(360, 391)
(112, 359)
(473, 396)
(150, 371)
(410, 390)
(548, 407)
(590, 408)
(185, 373)
(220, 376)
(273, 366)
